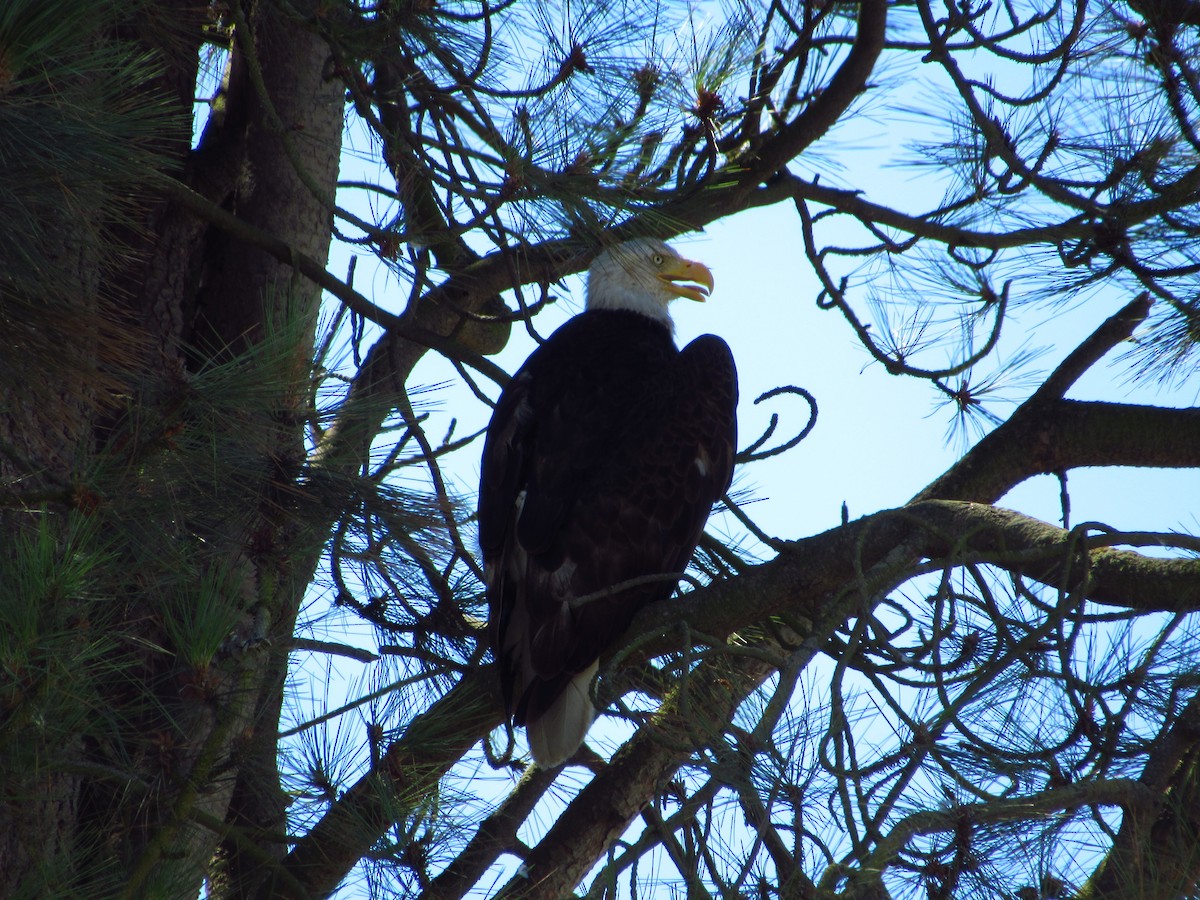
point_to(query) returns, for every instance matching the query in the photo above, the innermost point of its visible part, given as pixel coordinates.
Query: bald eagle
(602, 461)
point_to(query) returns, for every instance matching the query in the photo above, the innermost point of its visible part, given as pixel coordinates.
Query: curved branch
(808, 573)
(818, 117)
(1116, 328)
(1044, 438)
(1123, 793)
(753, 452)
(852, 203)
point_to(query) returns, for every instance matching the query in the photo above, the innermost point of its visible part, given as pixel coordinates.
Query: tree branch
(496, 835)
(1124, 793)
(695, 713)
(1054, 436)
(1116, 328)
(827, 108)
(401, 780)
(398, 326)
(1157, 850)
(807, 572)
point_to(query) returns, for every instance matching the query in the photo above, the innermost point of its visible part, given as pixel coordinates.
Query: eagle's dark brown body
(604, 457)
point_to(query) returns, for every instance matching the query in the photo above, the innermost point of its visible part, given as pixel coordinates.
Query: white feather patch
(556, 735)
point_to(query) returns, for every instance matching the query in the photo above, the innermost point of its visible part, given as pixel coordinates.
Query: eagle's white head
(645, 275)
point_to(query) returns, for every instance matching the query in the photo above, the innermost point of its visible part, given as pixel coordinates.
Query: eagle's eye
(658, 259)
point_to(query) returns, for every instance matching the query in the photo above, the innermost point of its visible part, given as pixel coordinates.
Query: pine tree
(220, 472)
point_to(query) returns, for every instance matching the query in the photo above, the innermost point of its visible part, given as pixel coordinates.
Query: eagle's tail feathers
(557, 733)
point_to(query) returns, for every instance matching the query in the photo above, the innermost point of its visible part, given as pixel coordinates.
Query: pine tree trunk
(200, 741)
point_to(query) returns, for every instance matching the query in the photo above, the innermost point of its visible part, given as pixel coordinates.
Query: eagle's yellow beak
(686, 278)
